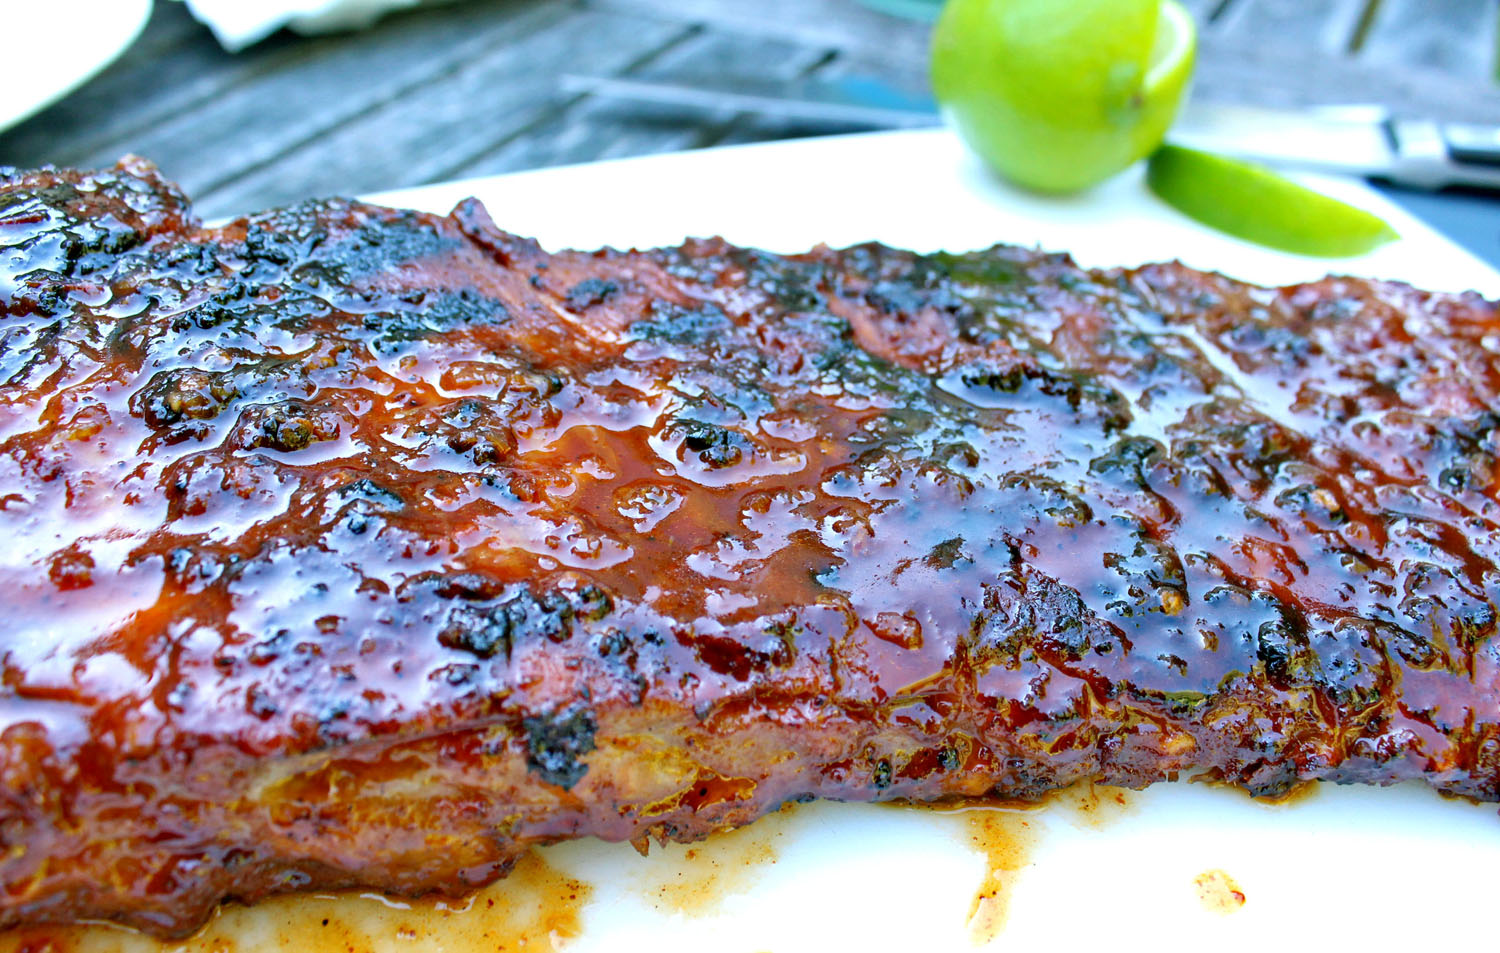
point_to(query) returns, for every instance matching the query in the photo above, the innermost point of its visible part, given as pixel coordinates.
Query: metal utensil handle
(1473, 144)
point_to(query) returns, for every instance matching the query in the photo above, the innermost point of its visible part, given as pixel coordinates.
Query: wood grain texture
(174, 66)
(1202, 10)
(1327, 25)
(1265, 75)
(433, 131)
(303, 88)
(835, 24)
(328, 82)
(475, 88)
(857, 66)
(594, 128)
(1457, 37)
(1266, 52)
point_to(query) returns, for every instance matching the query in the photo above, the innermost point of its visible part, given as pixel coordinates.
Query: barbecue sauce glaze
(347, 546)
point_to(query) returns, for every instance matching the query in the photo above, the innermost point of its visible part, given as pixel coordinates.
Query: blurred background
(478, 87)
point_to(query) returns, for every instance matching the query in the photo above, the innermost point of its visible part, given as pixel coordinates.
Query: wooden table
(473, 88)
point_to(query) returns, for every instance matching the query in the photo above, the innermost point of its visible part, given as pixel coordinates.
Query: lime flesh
(1251, 202)
(1060, 96)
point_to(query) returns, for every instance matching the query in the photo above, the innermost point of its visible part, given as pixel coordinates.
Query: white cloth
(240, 23)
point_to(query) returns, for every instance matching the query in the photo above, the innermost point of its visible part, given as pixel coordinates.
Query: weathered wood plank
(472, 88)
(825, 24)
(760, 128)
(1255, 52)
(597, 128)
(323, 83)
(846, 25)
(485, 97)
(1201, 10)
(1455, 36)
(1232, 72)
(175, 65)
(1327, 25)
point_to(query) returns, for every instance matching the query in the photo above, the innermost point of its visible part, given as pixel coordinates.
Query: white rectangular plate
(1355, 867)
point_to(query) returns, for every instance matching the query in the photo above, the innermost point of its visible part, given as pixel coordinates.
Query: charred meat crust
(349, 546)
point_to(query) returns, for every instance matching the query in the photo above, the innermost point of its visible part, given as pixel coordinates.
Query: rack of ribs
(347, 546)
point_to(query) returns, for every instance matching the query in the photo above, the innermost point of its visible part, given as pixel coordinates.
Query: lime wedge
(1252, 202)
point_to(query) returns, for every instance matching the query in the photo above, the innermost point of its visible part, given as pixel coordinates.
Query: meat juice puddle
(1218, 892)
(536, 908)
(540, 905)
(1007, 833)
(693, 880)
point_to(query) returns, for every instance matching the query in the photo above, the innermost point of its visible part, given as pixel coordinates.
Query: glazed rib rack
(348, 546)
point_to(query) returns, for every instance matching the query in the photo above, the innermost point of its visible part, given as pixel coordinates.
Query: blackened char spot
(591, 291)
(1029, 609)
(483, 631)
(241, 308)
(491, 618)
(593, 604)
(315, 239)
(383, 244)
(555, 742)
(186, 393)
(913, 294)
(366, 505)
(286, 426)
(434, 313)
(466, 585)
(373, 493)
(63, 231)
(715, 446)
(477, 429)
(670, 322)
(1281, 645)
(1002, 378)
(948, 552)
(1018, 382)
(1128, 458)
(1353, 664)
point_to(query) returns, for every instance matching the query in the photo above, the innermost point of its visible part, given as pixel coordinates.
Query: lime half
(1060, 96)
(1252, 202)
